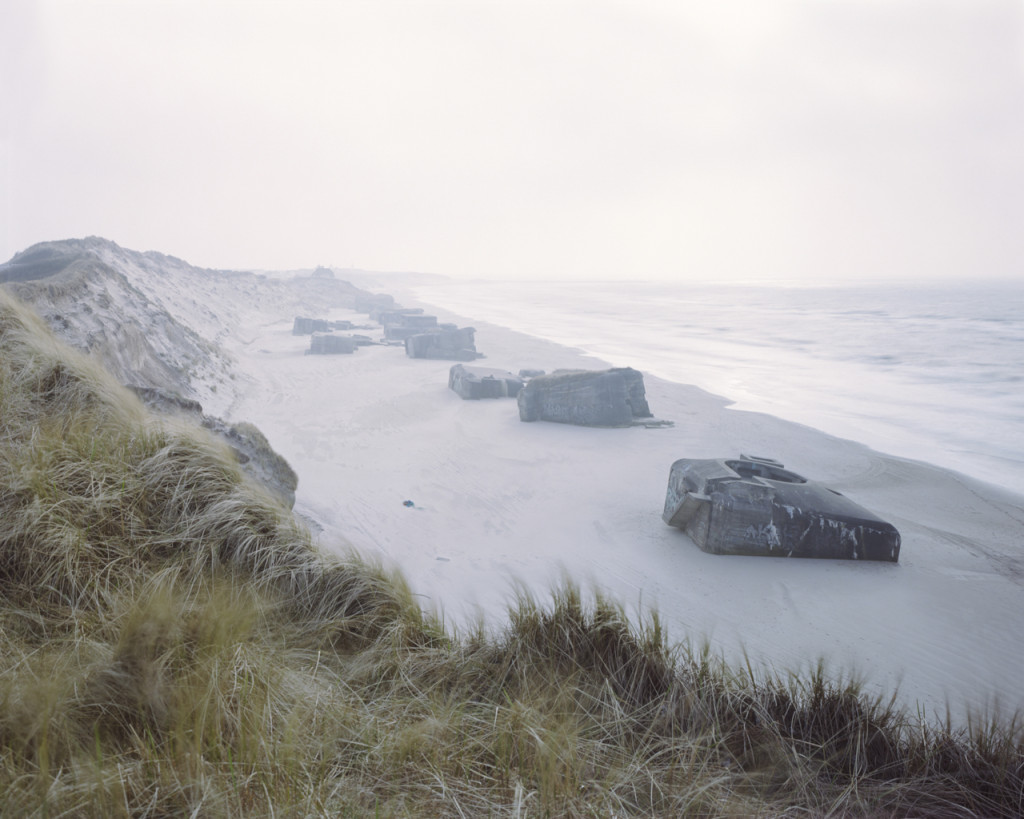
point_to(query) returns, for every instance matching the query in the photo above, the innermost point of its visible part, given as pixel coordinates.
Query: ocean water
(932, 373)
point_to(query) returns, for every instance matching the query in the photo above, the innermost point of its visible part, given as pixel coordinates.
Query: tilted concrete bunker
(752, 506)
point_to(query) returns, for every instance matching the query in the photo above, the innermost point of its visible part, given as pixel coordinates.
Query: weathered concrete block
(395, 315)
(481, 382)
(597, 398)
(306, 326)
(395, 332)
(419, 322)
(328, 344)
(453, 345)
(752, 506)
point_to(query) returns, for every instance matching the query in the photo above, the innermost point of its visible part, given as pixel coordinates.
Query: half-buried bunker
(752, 506)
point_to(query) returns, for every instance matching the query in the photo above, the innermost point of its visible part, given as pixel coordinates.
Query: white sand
(498, 501)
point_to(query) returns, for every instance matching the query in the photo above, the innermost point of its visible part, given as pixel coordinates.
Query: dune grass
(172, 644)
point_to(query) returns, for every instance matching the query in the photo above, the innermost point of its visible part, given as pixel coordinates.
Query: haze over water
(925, 372)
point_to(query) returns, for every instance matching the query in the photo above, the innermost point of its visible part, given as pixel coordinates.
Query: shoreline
(498, 503)
(938, 426)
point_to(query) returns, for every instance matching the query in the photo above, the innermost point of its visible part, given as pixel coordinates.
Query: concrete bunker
(472, 383)
(599, 398)
(753, 506)
(444, 343)
(330, 344)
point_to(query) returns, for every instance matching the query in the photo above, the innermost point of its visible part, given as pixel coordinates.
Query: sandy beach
(499, 503)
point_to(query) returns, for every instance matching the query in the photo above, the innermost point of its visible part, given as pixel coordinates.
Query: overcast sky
(791, 140)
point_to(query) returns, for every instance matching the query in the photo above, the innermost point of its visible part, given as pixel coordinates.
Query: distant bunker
(752, 506)
(330, 344)
(394, 314)
(303, 326)
(451, 344)
(472, 383)
(593, 398)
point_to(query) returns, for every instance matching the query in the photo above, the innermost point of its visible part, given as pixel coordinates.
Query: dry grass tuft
(596, 641)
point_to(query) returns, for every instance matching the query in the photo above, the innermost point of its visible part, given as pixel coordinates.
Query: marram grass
(171, 644)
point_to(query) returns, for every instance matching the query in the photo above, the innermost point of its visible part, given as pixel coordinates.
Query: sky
(683, 140)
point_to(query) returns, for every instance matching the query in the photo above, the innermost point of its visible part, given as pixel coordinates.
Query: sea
(934, 373)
